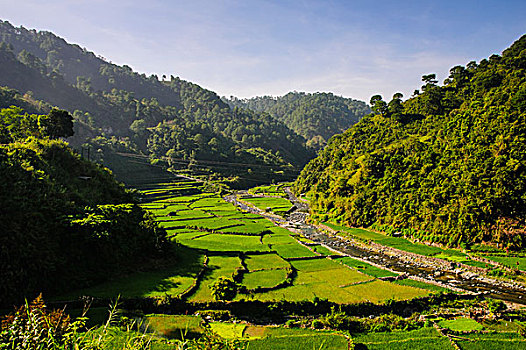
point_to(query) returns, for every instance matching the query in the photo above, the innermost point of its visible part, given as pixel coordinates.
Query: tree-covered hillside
(65, 221)
(316, 116)
(448, 165)
(160, 119)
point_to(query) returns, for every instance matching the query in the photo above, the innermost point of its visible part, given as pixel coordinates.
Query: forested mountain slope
(65, 221)
(316, 116)
(118, 109)
(448, 165)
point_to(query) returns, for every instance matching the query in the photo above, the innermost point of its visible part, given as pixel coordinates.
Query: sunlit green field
(275, 205)
(425, 338)
(510, 261)
(203, 225)
(406, 245)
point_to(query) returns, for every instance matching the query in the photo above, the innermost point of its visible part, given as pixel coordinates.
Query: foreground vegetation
(65, 221)
(34, 326)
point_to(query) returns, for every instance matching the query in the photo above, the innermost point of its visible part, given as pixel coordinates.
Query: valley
(149, 213)
(290, 272)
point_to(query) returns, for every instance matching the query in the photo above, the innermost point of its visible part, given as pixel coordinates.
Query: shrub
(317, 324)
(224, 289)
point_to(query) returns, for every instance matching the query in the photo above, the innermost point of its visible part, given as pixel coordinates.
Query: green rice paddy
(265, 261)
(462, 324)
(264, 278)
(275, 205)
(366, 268)
(203, 224)
(420, 339)
(509, 261)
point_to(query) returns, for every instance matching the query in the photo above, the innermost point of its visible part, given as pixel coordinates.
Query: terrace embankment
(455, 276)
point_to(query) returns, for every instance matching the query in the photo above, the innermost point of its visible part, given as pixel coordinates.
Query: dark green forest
(66, 222)
(447, 165)
(171, 122)
(316, 117)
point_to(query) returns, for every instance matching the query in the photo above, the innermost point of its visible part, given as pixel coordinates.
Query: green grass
(179, 231)
(300, 339)
(212, 223)
(265, 261)
(280, 231)
(187, 214)
(393, 242)
(217, 266)
(164, 209)
(501, 326)
(323, 250)
(171, 280)
(313, 265)
(509, 261)
(272, 190)
(422, 285)
(278, 239)
(323, 278)
(185, 237)
(227, 242)
(475, 263)
(228, 330)
(420, 339)
(339, 277)
(215, 202)
(246, 227)
(175, 326)
(366, 268)
(276, 205)
(462, 324)
(492, 341)
(292, 250)
(264, 278)
(379, 291)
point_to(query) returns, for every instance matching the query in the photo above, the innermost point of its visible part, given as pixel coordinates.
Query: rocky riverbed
(419, 267)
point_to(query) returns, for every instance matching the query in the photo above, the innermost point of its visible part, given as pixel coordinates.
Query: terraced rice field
(502, 335)
(271, 190)
(204, 225)
(425, 338)
(218, 266)
(260, 337)
(271, 204)
(265, 261)
(264, 278)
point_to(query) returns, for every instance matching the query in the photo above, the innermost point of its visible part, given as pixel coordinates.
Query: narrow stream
(462, 279)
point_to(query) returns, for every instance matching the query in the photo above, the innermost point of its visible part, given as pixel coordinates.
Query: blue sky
(247, 48)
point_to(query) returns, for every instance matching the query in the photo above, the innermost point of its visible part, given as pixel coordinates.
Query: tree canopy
(65, 221)
(448, 165)
(114, 106)
(316, 117)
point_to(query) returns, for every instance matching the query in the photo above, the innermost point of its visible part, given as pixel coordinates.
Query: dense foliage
(155, 118)
(448, 165)
(65, 221)
(316, 116)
